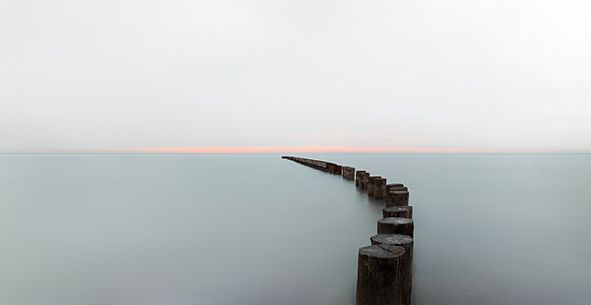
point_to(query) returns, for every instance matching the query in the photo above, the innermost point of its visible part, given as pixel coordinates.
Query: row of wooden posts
(384, 269)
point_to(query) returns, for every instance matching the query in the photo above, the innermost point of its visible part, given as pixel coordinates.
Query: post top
(382, 251)
(395, 220)
(392, 239)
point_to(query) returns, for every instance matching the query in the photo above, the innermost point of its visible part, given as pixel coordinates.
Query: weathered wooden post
(396, 225)
(333, 168)
(379, 188)
(371, 184)
(323, 166)
(394, 211)
(348, 172)
(381, 270)
(403, 241)
(358, 178)
(365, 181)
(397, 198)
(393, 187)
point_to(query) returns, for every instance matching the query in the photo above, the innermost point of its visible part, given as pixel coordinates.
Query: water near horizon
(258, 230)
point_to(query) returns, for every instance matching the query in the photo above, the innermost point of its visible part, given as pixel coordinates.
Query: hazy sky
(466, 74)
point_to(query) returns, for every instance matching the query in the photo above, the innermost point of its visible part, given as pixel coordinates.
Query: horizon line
(291, 149)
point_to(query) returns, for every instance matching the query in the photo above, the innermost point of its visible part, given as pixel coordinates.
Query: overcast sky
(499, 75)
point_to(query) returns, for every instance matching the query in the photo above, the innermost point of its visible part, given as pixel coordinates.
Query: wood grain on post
(370, 185)
(358, 178)
(333, 168)
(397, 198)
(396, 225)
(365, 181)
(351, 173)
(394, 211)
(403, 241)
(379, 188)
(381, 270)
(348, 172)
(323, 166)
(391, 188)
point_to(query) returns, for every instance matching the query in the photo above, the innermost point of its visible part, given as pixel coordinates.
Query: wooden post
(323, 166)
(348, 172)
(379, 188)
(396, 225)
(403, 241)
(365, 181)
(397, 198)
(333, 168)
(370, 185)
(401, 212)
(381, 270)
(358, 178)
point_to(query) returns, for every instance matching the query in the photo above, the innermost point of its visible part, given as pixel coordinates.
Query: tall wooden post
(365, 181)
(381, 270)
(358, 178)
(348, 172)
(371, 185)
(379, 188)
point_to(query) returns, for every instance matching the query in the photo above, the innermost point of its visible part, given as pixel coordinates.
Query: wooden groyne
(384, 269)
(324, 166)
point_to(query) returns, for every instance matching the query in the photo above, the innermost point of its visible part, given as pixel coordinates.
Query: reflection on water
(255, 229)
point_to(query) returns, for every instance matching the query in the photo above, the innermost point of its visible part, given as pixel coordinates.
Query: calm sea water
(257, 230)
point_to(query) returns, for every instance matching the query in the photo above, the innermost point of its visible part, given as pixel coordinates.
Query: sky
(190, 75)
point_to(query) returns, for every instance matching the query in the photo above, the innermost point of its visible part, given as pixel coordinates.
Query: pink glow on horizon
(295, 149)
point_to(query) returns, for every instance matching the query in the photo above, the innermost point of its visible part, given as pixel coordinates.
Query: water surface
(255, 229)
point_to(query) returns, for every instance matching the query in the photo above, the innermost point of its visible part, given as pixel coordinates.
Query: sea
(253, 229)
